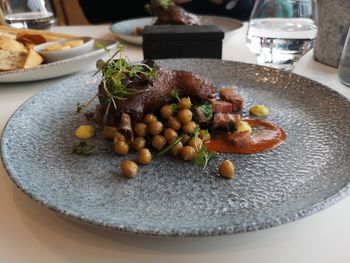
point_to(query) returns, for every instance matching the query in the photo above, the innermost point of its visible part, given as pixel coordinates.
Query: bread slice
(9, 44)
(33, 59)
(10, 60)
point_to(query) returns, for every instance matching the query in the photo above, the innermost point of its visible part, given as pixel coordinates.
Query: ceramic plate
(125, 30)
(58, 68)
(170, 197)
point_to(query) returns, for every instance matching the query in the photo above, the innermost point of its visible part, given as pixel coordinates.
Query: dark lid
(183, 32)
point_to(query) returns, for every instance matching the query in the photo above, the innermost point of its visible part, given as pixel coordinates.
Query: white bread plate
(59, 68)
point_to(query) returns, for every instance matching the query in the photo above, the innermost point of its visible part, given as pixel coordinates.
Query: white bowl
(51, 56)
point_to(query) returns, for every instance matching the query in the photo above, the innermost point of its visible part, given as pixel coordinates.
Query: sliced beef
(221, 106)
(230, 95)
(224, 120)
(157, 93)
(240, 139)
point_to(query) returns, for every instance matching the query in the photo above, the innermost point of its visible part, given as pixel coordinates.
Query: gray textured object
(333, 23)
(307, 173)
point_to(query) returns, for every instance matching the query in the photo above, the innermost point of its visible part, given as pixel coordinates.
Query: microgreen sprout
(175, 94)
(120, 77)
(203, 156)
(165, 4)
(170, 146)
(83, 148)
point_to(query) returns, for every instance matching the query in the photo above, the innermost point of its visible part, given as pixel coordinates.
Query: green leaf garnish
(119, 74)
(203, 156)
(176, 94)
(207, 110)
(232, 126)
(83, 148)
(174, 107)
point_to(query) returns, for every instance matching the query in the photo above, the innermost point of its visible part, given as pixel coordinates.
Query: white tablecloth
(32, 233)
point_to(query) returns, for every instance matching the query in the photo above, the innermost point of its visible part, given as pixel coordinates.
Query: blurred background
(83, 12)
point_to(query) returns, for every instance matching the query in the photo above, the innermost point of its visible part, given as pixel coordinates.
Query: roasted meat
(156, 93)
(230, 95)
(172, 14)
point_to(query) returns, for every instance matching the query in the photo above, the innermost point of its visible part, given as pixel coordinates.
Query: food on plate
(167, 12)
(85, 132)
(129, 168)
(155, 111)
(64, 45)
(16, 47)
(227, 169)
(259, 110)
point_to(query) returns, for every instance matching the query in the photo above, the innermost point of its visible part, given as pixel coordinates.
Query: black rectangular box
(182, 41)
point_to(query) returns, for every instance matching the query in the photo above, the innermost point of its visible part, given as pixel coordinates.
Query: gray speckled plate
(307, 173)
(125, 30)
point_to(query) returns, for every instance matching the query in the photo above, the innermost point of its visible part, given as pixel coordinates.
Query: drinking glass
(34, 14)
(280, 32)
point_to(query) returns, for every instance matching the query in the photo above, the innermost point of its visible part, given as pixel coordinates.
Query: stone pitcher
(333, 24)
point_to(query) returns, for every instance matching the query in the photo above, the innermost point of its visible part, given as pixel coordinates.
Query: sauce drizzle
(265, 136)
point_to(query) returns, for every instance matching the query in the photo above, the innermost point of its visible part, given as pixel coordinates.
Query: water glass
(344, 64)
(281, 31)
(33, 14)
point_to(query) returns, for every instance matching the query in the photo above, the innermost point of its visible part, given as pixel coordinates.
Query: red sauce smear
(265, 136)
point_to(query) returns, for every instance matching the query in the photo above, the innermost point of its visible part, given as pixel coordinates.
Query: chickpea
(149, 118)
(108, 132)
(85, 132)
(139, 143)
(259, 110)
(121, 147)
(176, 150)
(204, 135)
(188, 153)
(129, 168)
(184, 116)
(243, 126)
(189, 127)
(185, 139)
(196, 143)
(145, 156)
(227, 169)
(119, 137)
(140, 129)
(158, 142)
(155, 127)
(174, 123)
(184, 103)
(166, 111)
(170, 135)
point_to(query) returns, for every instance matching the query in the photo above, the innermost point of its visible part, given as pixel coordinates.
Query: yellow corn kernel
(85, 132)
(259, 110)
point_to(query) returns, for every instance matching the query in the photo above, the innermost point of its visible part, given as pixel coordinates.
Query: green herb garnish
(170, 146)
(232, 126)
(83, 148)
(165, 4)
(207, 110)
(176, 94)
(203, 156)
(174, 107)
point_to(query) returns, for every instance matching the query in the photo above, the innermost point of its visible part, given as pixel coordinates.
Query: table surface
(31, 233)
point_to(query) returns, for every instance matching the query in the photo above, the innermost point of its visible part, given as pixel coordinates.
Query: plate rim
(138, 39)
(176, 232)
(94, 52)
